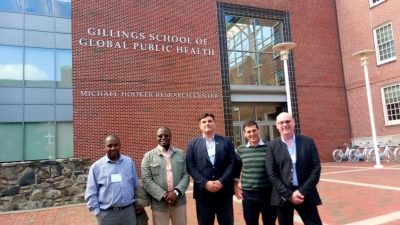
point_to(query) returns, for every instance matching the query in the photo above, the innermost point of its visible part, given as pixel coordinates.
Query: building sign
(141, 41)
(146, 94)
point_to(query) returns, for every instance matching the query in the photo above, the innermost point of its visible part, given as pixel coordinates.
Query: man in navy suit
(210, 161)
(293, 168)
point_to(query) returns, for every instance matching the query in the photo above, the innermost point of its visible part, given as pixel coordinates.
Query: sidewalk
(352, 194)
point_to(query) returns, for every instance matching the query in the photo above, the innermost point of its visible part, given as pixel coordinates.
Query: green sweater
(254, 173)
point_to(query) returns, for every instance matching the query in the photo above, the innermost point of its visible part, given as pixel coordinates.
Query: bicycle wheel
(397, 154)
(354, 155)
(371, 156)
(390, 155)
(336, 155)
(365, 154)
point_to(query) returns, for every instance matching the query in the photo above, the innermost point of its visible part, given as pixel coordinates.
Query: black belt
(293, 188)
(115, 208)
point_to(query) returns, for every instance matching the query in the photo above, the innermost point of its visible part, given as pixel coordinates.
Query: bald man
(294, 169)
(110, 186)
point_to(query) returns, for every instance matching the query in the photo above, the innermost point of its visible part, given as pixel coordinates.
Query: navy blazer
(279, 169)
(202, 170)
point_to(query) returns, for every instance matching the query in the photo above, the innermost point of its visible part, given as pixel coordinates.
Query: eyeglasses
(285, 121)
(112, 145)
(163, 136)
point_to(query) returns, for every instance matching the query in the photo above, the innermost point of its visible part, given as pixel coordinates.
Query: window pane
(62, 8)
(39, 67)
(64, 68)
(11, 66)
(263, 113)
(392, 102)
(10, 6)
(38, 7)
(39, 141)
(251, 59)
(385, 43)
(11, 142)
(65, 144)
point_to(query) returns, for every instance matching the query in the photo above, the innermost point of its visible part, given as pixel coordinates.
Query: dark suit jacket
(279, 170)
(201, 169)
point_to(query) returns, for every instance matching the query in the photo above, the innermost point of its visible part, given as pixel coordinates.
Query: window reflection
(64, 68)
(11, 6)
(38, 7)
(33, 141)
(62, 8)
(11, 142)
(39, 67)
(39, 141)
(263, 113)
(250, 55)
(11, 66)
(65, 143)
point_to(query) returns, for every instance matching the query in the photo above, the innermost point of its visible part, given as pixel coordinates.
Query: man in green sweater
(252, 185)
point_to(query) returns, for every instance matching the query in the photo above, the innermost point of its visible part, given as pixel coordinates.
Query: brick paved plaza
(352, 194)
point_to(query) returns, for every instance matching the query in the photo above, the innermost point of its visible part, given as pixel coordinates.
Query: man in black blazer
(294, 169)
(210, 161)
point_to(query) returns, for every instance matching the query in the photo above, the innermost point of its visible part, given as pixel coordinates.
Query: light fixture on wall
(364, 55)
(237, 109)
(283, 49)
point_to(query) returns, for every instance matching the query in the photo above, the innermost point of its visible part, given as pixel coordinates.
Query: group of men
(271, 178)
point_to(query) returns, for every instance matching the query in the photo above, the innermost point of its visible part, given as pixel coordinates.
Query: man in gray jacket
(165, 178)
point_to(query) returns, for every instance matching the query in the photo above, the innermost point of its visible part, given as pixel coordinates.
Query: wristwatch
(176, 192)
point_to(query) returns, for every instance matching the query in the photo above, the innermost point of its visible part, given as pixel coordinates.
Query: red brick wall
(356, 23)
(318, 69)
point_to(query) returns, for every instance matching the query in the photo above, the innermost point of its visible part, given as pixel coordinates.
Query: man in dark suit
(210, 161)
(294, 169)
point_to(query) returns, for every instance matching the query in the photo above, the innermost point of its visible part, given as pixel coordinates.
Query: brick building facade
(138, 65)
(358, 22)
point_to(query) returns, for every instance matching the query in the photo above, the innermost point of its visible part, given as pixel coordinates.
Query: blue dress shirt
(110, 183)
(292, 153)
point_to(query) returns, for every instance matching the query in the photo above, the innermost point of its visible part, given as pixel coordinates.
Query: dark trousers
(308, 213)
(125, 216)
(206, 209)
(256, 203)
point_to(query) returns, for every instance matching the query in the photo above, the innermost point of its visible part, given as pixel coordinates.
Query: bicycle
(356, 155)
(338, 154)
(397, 154)
(387, 153)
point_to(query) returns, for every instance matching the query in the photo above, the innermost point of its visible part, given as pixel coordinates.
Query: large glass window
(391, 104)
(64, 68)
(11, 142)
(11, 69)
(251, 59)
(30, 130)
(35, 141)
(11, 6)
(62, 8)
(39, 67)
(384, 43)
(38, 7)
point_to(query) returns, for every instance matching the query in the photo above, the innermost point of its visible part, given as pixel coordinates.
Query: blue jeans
(256, 203)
